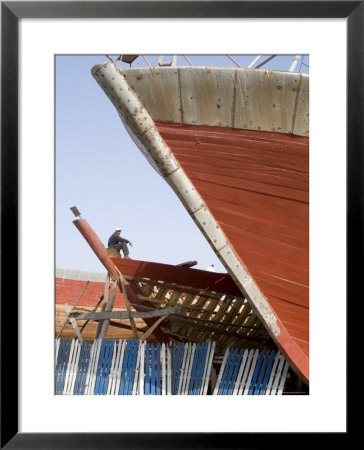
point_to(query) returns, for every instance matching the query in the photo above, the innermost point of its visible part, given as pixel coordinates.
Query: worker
(211, 268)
(119, 243)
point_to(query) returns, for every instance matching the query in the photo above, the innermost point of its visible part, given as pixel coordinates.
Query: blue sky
(100, 170)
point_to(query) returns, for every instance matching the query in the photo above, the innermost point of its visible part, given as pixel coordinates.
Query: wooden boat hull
(233, 145)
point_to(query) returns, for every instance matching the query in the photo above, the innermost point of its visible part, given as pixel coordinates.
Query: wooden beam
(126, 327)
(188, 323)
(95, 308)
(171, 333)
(225, 324)
(152, 328)
(73, 307)
(109, 307)
(121, 283)
(124, 314)
(73, 322)
(177, 287)
(166, 302)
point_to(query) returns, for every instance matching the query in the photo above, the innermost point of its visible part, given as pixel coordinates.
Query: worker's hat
(117, 229)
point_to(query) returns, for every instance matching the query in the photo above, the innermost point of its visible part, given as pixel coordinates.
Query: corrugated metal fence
(130, 367)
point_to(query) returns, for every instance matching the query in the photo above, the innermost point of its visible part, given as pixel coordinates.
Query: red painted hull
(256, 185)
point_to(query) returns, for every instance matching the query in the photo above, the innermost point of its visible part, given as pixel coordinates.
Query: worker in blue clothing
(119, 243)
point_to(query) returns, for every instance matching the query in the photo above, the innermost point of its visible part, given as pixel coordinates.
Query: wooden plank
(251, 372)
(208, 371)
(190, 367)
(88, 374)
(152, 328)
(137, 370)
(240, 372)
(169, 302)
(73, 307)
(283, 378)
(147, 369)
(163, 364)
(125, 314)
(112, 366)
(222, 368)
(167, 331)
(235, 372)
(126, 365)
(158, 370)
(231, 316)
(208, 313)
(121, 283)
(99, 365)
(200, 303)
(216, 331)
(183, 368)
(142, 368)
(69, 367)
(93, 310)
(173, 287)
(187, 301)
(107, 372)
(95, 368)
(169, 371)
(74, 368)
(120, 368)
(227, 372)
(73, 322)
(267, 373)
(255, 388)
(109, 307)
(224, 305)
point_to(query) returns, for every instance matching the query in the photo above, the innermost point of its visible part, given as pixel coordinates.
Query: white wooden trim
(222, 368)
(251, 372)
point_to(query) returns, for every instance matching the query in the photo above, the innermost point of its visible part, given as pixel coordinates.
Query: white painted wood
(208, 366)
(251, 372)
(91, 366)
(75, 368)
(283, 378)
(70, 369)
(56, 352)
(121, 361)
(222, 368)
(137, 370)
(142, 368)
(254, 61)
(163, 366)
(65, 386)
(240, 373)
(89, 369)
(272, 374)
(245, 372)
(112, 367)
(116, 369)
(278, 375)
(185, 355)
(205, 368)
(189, 368)
(294, 63)
(169, 371)
(96, 364)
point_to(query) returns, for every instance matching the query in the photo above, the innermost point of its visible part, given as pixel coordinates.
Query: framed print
(43, 44)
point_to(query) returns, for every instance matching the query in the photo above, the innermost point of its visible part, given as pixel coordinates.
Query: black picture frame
(11, 12)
